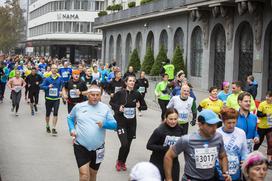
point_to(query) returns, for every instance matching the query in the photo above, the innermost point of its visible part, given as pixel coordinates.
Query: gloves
(193, 122)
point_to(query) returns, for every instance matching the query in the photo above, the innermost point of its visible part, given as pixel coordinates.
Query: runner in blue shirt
(247, 121)
(87, 123)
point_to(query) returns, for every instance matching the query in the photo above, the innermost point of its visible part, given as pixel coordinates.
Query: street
(28, 153)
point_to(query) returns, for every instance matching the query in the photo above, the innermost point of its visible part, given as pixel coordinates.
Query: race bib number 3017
(205, 157)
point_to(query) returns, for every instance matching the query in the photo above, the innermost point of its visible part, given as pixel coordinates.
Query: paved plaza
(28, 153)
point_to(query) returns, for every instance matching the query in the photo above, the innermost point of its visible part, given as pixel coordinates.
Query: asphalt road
(28, 153)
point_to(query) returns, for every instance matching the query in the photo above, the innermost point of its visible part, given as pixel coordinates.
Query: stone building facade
(220, 39)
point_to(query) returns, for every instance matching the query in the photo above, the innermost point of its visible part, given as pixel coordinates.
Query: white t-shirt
(235, 144)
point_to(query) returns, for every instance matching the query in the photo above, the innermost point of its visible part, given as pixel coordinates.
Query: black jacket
(252, 89)
(34, 81)
(142, 83)
(115, 86)
(128, 99)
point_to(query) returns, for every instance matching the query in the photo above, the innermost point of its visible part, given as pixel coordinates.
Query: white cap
(145, 171)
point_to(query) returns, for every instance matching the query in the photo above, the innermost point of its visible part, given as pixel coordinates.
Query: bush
(162, 57)
(102, 13)
(178, 60)
(145, 1)
(135, 61)
(117, 7)
(132, 4)
(109, 8)
(148, 61)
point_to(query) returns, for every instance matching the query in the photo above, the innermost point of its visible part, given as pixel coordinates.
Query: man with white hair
(87, 123)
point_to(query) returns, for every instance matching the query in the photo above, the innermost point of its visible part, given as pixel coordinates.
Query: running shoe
(32, 112)
(12, 109)
(54, 132)
(123, 166)
(35, 107)
(48, 130)
(16, 114)
(118, 166)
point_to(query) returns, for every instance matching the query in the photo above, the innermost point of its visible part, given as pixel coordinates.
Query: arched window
(245, 51)
(128, 49)
(150, 41)
(178, 39)
(119, 51)
(138, 43)
(196, 52)
(111, 48)
(164, 39)
(219, 49)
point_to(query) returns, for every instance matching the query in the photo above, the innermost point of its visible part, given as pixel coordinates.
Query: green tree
(148, 61)
(178, 60)
(135, 61)
(162, 57)
(11, 20)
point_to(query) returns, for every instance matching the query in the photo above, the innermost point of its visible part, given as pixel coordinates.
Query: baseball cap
(145, 171)
(209, 116)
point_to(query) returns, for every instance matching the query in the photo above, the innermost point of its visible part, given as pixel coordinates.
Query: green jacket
(170, 70)
(159, 91)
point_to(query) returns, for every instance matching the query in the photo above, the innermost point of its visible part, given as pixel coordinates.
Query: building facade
(221, 39)
(64, 29)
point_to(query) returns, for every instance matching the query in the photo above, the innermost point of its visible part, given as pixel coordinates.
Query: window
(75, 26)
(81, 27)
(54, 27)
(92, 30)
(88, 27)
(84, 5)
(61, 5)
(60, 26)
(196, 54)
(77, 4)
(68, 4)
(97, 6)
(67, 27)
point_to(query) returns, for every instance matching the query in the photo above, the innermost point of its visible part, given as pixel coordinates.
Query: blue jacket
(176, 91)
(54, 92)
(248, 124)
(65, 73)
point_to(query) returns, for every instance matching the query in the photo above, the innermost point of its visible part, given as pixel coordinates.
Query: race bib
(234, 163)
(53, 92)
(116, 89)
(205, 157)
(250, 145)
(183, 117)
(269, 121)
(65, 74)
(141, 89)
(17, 88)
(170, 140)
(73, 93)
(129, 113)
(100, 155)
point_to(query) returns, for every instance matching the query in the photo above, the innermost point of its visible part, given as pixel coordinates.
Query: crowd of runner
(232, 124)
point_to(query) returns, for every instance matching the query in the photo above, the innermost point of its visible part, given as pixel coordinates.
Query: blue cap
(209, 116)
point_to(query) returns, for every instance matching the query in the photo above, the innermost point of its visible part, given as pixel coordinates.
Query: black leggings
(70, 107)
(262, 133)
(26, 90)
(34, 97)
(125, 144)
(52, 104)
(2, 90)
(16, 97)
(163, 104)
